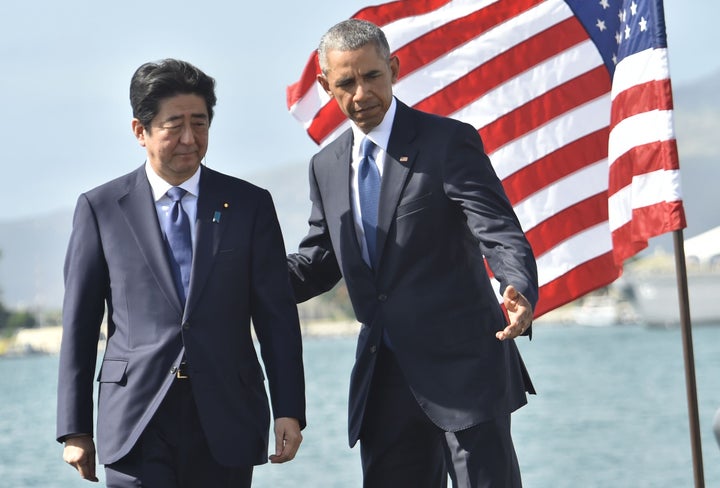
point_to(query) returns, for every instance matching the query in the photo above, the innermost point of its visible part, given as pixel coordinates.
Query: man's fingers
(287, 440)
(87, 471)
(287, 449)
(510, 332)
(286, 454)
(79, 453)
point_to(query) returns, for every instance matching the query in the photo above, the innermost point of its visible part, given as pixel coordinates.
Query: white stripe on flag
(643, 67)
(643, 128)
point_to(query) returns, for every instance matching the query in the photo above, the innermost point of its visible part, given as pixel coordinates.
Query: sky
(66, 68)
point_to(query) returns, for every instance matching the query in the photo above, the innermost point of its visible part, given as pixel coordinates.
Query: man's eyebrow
(175, 118)
(346, 79)
(172, 118)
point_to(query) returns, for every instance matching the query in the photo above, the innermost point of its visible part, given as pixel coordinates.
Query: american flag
(573, 102)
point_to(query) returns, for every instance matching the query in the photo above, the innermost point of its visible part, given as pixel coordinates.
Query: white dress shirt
(380, 135)
(163, 202)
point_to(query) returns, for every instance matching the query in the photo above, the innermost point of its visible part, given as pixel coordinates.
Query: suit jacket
(442, 208)
(117, 258)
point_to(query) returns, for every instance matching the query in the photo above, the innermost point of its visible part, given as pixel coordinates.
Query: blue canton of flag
(620, 28)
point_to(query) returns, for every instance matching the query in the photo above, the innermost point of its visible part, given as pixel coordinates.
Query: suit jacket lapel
(139, 210)
(339, 173)
(209, 226)
(399, 159)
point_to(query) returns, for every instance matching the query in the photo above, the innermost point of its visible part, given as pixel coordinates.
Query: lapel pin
(218, 214)
(403, 159)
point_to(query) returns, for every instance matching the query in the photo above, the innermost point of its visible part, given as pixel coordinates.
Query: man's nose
(360, 92)
(187, 136)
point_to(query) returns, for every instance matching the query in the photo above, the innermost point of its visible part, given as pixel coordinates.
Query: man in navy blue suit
(181, 399)
(437, 372)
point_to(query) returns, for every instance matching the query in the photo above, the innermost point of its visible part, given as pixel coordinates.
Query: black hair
(155, 81)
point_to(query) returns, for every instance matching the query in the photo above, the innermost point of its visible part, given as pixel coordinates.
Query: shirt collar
(160, 186)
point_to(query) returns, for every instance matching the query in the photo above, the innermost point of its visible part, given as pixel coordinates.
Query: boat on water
(656, 299)
(653, 283)
(604, 310)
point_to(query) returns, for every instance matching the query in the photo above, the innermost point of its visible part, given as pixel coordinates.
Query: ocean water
(611, 412)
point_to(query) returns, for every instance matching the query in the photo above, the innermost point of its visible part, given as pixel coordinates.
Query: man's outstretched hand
(519, 311)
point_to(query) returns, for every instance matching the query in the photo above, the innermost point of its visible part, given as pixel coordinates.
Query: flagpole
(690, 384)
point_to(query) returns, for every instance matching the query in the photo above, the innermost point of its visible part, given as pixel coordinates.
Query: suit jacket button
(382, 297)
(373, 349)
(186, 326)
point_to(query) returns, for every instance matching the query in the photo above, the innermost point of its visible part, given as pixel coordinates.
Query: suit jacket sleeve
(470, 180)
(314, 268)
(275, 317)
(86, 287)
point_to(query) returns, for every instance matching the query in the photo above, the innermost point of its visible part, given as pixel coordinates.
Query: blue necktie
(177, 232)
(369, 192)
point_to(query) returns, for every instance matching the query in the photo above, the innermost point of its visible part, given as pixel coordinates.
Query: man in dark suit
(181, 400)
(437, 372)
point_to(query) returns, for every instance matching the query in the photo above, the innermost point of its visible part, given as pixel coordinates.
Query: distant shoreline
(46, 340)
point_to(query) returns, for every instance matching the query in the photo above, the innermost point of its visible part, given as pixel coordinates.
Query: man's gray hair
(350, 35)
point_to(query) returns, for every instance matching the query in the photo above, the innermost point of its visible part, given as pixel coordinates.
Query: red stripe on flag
(643, 159)
(390, 12)
(297, 90)
(328, 118)
(654, 95)
(584, 278)
(647, 222)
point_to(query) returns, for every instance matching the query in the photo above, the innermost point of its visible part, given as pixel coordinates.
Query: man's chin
(366, 124)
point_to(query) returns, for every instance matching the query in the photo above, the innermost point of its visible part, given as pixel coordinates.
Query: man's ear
(324, 83)
(395, 68)
(139, 131)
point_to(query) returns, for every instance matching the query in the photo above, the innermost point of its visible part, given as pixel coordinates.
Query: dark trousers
(172, 452)
(400, 446)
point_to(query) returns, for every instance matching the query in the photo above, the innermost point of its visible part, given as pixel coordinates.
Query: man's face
(361, 83)
(177, 139)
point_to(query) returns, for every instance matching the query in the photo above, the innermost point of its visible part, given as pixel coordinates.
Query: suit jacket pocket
(406, 208)
(112, 371)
